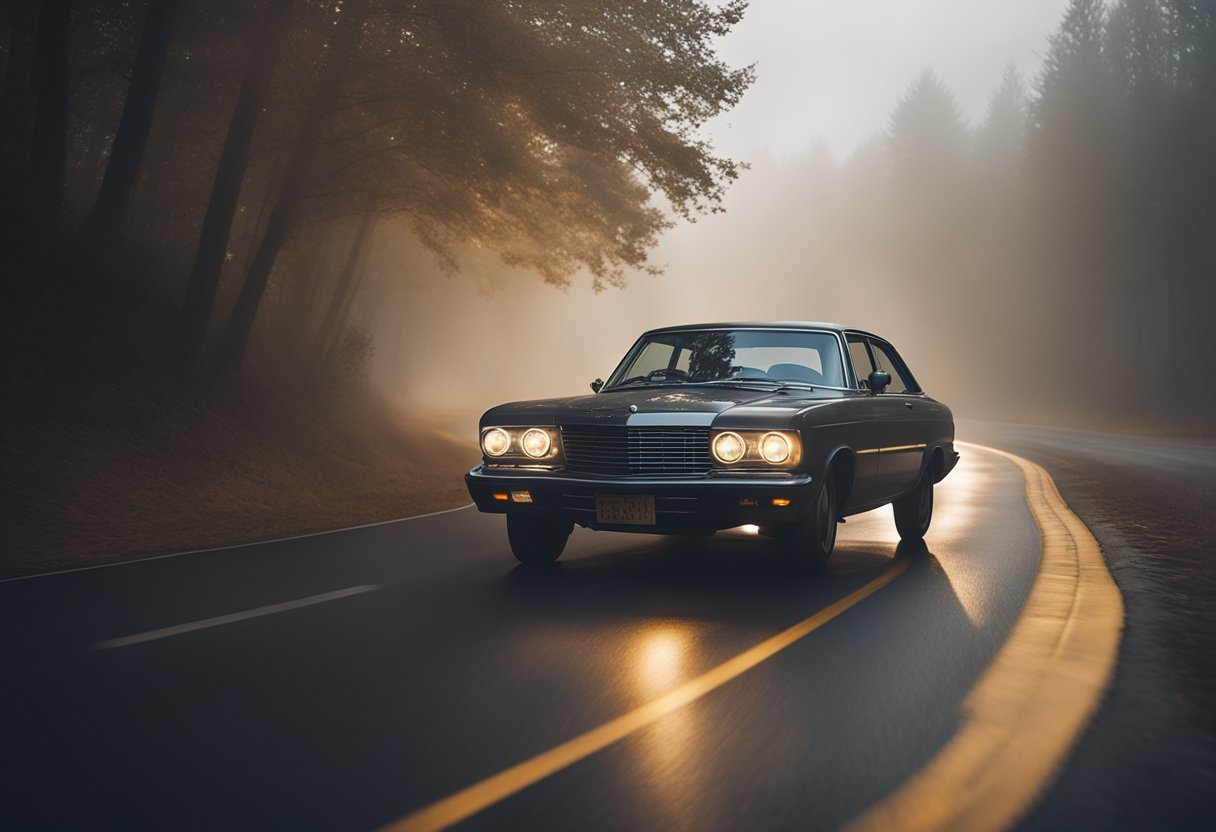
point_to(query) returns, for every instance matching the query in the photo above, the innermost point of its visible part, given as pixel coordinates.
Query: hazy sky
(832, 69)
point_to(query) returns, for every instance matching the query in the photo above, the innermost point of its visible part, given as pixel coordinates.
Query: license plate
(625, 511)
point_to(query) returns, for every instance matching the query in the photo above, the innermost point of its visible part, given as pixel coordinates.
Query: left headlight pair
(534, 444)
(777, 448)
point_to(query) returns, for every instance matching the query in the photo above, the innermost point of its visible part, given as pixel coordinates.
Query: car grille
(621, 451)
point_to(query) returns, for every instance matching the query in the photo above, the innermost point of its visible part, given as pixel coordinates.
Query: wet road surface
(1149, 759)
(343, 681)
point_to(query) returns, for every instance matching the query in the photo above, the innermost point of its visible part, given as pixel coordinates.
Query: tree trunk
(127, 152)
(285, 213)
(195, 315)
(344, 292)
(298, 314)
(17, 95)
(84, 176)
(49, 140)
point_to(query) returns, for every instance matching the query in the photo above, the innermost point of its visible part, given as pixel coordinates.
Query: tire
(537, 540)
(808, 544)
(914, 510)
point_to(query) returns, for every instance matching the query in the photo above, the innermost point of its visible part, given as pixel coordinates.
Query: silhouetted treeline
(240, 154)
(1060, 254)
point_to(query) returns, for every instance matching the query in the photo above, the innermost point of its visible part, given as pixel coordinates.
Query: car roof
(762, 325)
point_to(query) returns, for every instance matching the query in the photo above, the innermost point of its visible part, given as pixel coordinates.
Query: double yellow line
(1024, 715)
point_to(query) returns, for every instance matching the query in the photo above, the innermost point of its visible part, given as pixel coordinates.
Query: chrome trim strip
(671, 420)
(893, 449)
(733, 482)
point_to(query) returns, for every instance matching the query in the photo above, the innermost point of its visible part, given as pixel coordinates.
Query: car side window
(860, 356)
(900, 382)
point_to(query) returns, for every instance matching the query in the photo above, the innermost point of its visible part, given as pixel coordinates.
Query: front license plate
(625, 511)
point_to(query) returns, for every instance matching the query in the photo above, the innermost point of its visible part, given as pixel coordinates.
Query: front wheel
(808, 544)
(537, 540)
(914, 510)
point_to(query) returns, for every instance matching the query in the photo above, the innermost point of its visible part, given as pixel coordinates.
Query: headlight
(534, 446)
(729, 447)
(775, 448)
(536, 443)
(495, 442)
(752, 449)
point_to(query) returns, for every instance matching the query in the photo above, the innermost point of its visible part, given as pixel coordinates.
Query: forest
(244, 152)
(191, 192)
(1061, 253)
(210, 209)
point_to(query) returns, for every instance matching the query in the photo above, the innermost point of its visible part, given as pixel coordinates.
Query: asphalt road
(1148, 760)
(345, 680)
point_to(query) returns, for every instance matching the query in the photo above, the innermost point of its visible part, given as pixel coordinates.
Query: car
(788, 427)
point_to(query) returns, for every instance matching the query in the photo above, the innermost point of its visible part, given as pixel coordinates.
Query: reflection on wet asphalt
(353, 713)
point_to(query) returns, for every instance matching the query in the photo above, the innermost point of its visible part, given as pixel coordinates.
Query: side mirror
(597, 385)
(879, 381)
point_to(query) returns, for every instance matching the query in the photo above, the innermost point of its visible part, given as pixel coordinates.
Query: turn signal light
(781, 502)
(521, 496)
(503, 497)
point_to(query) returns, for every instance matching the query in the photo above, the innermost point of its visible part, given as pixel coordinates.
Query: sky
(832, 69)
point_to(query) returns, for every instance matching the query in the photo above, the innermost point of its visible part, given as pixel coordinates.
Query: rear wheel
(808, 544)
(537, 540)
(914, 510)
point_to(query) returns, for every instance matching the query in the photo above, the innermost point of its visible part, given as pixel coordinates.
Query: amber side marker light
(781, 502)
(501, 497)
(521, 496)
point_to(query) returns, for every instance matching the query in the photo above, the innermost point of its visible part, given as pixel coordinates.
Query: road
(1149, 759)
(347, 680)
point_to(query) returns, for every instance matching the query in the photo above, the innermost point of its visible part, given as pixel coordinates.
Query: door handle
(908, 405)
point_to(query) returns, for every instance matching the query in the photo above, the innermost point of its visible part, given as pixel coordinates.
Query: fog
(830, 71)
(916, 171)
(471, 202)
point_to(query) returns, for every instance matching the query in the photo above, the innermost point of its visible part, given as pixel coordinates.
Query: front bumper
(701, 504)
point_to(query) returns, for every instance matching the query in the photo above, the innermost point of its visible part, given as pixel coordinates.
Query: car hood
(692, 405)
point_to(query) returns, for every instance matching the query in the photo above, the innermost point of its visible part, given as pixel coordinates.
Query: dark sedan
(786, 426)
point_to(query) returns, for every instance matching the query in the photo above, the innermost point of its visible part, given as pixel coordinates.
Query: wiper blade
(737, 381)
(775, 383)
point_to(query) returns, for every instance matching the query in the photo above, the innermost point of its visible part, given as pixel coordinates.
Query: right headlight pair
(781, 448)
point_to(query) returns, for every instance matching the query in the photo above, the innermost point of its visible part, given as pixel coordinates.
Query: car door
(866, 431)
(898, 408)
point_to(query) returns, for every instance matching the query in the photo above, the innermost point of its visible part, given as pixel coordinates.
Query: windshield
(740, 355)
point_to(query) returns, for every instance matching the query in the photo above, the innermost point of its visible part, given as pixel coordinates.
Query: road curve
(348, 680)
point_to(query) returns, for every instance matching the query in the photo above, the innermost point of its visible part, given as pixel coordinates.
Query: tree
(127, 151)
(285, 213)
(48, 144)
(1072, 114)
(537, 131)
(16, 96)
(929, 163)
(1001, 140)
(195, 315)
(330, 332)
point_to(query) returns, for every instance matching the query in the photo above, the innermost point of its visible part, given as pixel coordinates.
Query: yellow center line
(1029, 708)
(479, 796)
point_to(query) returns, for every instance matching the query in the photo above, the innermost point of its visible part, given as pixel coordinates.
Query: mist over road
(349, 679)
